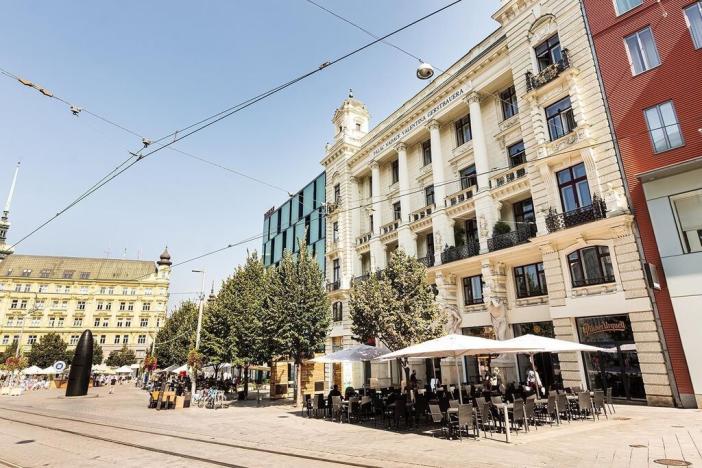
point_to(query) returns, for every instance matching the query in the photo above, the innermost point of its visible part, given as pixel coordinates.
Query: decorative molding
(433, 124)
(474, 98)
(400, 147)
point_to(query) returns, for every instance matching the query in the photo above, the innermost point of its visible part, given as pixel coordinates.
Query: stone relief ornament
(483, 226)
(615, 198)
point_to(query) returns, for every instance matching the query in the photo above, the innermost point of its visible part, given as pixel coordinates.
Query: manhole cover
(637, 446)
(672, 462)
(28, 441)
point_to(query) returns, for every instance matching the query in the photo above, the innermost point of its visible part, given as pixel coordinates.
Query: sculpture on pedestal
(81, 366)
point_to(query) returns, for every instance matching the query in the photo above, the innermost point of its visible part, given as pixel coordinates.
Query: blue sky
(158, 66)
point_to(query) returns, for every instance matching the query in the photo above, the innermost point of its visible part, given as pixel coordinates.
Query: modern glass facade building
(299, 218)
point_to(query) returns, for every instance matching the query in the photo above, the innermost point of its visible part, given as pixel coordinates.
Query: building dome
(165, 258)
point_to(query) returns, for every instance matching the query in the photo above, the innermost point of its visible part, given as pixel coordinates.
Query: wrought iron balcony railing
(333, 285)
(452, 254)
(593, 281)
(428, 261)
(548, 74)
(522, 234)
(557, 221)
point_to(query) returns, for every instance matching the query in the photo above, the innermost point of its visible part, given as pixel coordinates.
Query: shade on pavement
(356, 353)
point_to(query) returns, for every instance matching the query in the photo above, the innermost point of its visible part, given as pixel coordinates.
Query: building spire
(5, 249)
(6, 210)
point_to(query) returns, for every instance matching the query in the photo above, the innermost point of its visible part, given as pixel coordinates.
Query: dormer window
(548, 52)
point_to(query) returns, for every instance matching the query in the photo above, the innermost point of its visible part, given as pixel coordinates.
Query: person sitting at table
(413, 379)
(349, 392)
(392, 397)
(332, 393)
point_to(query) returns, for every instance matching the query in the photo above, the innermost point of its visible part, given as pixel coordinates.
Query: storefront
(547, 364)
(619, 370)
(475, 367)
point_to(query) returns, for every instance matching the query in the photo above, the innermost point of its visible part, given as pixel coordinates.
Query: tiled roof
(56, 267)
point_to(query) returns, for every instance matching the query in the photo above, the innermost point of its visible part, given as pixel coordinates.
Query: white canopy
(135, 366)
(170, 368)
(356, 353)
(124, 370)
(551, 345)
(51, 370)
(178, 370)
(456, 346)
(33, 370)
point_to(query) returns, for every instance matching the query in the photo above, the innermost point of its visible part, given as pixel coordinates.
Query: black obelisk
(79, 377)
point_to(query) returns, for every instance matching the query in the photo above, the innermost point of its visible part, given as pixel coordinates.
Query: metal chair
(530, 413)
(598, 403)
(437, 417)
(585, 406)
(336, 409)
(563, 407)
(610, 400)
(464, 419)
(552, 409)
(484, 417)
(519, 415)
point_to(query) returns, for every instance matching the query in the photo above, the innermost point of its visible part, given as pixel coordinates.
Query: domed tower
(164, 264)
(351, 119)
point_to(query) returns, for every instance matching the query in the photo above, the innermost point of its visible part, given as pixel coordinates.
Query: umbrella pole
(536, 374)
(458, 381)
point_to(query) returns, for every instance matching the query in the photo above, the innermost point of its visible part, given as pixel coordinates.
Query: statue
(498, 317)
(81, 366)
(455, 319)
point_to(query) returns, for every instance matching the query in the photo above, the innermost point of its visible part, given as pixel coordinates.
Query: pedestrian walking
(112, 385)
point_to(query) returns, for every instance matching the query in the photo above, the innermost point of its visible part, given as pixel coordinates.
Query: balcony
(421, 213)
(548, 74)
(558, 221)
(333, 285)
(366, 277)
(459, 197)
(452, 254)
(333, 206)
(427, 261)
(364, 239)
(505, 178)
(519, 236)
(389, 227)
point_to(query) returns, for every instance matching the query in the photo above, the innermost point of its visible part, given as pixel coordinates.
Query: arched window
(591, 265)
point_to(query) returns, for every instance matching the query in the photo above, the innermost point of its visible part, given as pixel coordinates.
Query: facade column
(377, 249)
(353, 205)
(442, 225)
(405, 239)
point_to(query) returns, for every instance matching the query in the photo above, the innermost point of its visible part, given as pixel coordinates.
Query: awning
(456, 346)
(356, 353)
(124, 370)
(551, 345)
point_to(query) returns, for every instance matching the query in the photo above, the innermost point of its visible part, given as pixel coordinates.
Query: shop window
(547, 364)
(590, 266)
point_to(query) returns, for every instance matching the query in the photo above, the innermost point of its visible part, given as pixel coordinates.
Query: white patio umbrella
(550, 345)
(356, 353)
(456, 346)
(123, 370)
(170, 368)
(32, 370)
(178, 370)
(51, 370)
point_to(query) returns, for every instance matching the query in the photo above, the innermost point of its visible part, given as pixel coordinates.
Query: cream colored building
(123, 302)
(515, 131)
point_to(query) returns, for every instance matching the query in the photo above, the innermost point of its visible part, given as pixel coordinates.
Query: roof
(55, 267)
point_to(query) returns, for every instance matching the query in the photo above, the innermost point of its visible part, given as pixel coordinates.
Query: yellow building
(123, 302)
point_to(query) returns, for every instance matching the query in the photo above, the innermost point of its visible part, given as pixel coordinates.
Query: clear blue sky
(160, 65)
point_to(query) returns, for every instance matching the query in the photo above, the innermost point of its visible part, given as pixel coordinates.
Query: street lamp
(424, 71)
(199, 327)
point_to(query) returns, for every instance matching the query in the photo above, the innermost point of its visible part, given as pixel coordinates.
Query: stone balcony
(421, 213)
(363, 239)
(390, 227)
(461, 196)
(558, 221)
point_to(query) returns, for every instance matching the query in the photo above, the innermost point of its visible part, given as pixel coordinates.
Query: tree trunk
(246, 381)
(298, 384)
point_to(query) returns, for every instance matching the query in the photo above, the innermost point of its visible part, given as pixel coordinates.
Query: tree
(299, 310)
(397, 307)
(49, 349)
(9, 352)
(177, 336)
(121, 357)
(98, 354)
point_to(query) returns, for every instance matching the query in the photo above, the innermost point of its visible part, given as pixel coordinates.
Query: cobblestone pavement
(43, 429)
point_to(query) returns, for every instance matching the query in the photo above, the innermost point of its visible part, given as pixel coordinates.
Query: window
(516, 153)
(548, 52)
(5, 339)
(125, 339)
(370, 222)
(59, 324)
(52, 322)
(643, 54)
(120, 323)
(74, 340)
(622, 6)
(335, 232)
(44, 273)
(429, 195)
(141, 339)
(688, 216)
(337, 311)
(54, 304)
(395, 171)
(573, 187)
(468, 177)
(26, 273)
(13, 304)
(43, 288)
(396, 211)
(77, 322)
(103, 338)
(524, 212)
(590, 265)
(84, 290)
(693, 18)
(122, 306)
(18, 288)
(84, 275)
(36, 321)
(31, 339)
(108, 306)
(148, 292)
(117, 339)
(663, 127)
(23, 304)
(337, 193)
(144, 322)
(128, 322)
(10, 321)
(130, 306)
(39, 305)
(105, 323)
(20, 321)
(426, 153)
(473, 290)
(68, 274)
(96, 322)
(560, 119)
(146, 306)
(508, 98)
(28, 288)
(100, 305)
(336, 271)
(463, 131)
(81, 305)
(530, 280)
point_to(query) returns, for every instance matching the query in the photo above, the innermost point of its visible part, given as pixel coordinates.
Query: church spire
(5, 249)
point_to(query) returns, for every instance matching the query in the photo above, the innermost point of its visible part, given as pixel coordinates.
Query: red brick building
(650, 60)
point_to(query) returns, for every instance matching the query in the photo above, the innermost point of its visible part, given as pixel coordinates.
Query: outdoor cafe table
(504, 408)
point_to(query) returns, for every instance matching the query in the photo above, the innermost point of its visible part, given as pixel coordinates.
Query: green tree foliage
(49, 349)
(121, 357)
(177, 336)
(299, 309)
(9, 352)
(98, 354)
(397, 306)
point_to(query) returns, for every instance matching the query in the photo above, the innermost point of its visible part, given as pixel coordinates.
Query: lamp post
(199, 328)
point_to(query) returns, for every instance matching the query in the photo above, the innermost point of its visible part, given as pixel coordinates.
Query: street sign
(59, 366)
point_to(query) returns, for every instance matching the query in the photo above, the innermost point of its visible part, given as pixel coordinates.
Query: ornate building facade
(501, 176)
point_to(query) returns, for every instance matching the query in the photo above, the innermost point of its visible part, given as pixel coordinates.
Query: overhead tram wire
(138, 156)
